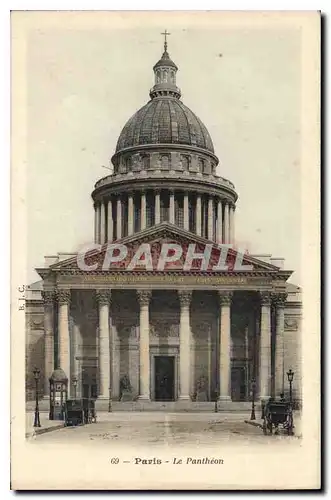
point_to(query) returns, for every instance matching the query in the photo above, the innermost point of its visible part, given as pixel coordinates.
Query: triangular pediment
(164, 247)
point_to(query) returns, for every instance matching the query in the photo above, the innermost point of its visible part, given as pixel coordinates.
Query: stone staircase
(178, 406)
(161, 406)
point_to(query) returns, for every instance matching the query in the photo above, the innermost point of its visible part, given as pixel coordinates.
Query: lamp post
(36, 423)
(74, 383)
(109, 402)
(290, 376)
(253, 386)
(216, 399)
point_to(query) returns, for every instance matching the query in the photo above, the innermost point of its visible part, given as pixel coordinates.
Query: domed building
(163, 310)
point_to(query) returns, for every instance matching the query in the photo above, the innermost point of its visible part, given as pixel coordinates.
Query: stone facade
(217, 363)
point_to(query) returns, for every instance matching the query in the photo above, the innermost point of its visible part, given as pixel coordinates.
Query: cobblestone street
(134, 429)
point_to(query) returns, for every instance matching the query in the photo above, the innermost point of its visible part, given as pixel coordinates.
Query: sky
(84, 82)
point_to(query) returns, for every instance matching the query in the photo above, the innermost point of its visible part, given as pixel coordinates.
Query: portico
(167, 334)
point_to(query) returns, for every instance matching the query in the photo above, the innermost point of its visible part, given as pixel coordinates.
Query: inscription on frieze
(164, 329)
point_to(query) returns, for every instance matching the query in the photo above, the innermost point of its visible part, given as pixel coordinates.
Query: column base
(184, 398)
(143, 398)
(224, 399)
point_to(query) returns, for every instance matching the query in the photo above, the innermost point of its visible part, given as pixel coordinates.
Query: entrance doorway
(164, 373)
(238, 383)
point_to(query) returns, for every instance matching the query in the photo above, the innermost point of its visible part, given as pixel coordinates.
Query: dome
(164, 120)
(165, 61)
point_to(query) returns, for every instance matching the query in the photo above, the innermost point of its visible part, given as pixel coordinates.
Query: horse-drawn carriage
(277, 415)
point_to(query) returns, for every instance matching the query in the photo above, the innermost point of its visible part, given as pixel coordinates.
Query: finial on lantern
(165, 33)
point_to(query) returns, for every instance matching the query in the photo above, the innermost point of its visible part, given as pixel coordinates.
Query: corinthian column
(119, 219)
(280, 300)
(172, 207)
(219, 222)
(198, 215)
(130, 215)
(103, 298)
(157, 207)
(103, 224)
(144, 364)
(186, 212)
(210, 218)
(184, 345)
(63, 297)
(143, 211)
(97, 215)
(48, 297)
(265, 346)
(110, 221)
(231, 224)
(225, 346)
(226, 223)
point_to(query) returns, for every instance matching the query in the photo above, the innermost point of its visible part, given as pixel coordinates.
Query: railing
(171, 174)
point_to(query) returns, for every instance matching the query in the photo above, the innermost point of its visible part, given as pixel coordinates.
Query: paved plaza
(163, 429)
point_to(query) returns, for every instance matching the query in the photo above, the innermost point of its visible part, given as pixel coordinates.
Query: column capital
(103, 296)
(63, 296)
(265, 298)
(144, 297)
(48, 297)
(184, 297)
(279, 299)
(225, 298)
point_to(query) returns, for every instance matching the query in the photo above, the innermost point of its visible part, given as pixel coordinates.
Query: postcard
(165, 250)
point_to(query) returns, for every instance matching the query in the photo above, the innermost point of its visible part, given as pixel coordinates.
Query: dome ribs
(189, 115)
(164, 124)
(139, 125)
(145, 129)
(164, 120)
(154, 132)
(173, 122)
(184, 134)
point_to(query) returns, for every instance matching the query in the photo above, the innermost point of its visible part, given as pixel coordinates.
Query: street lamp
(36, 374)
(290, 376)
(216, 398)
(253, 385)
(109, 402)
(74, 382)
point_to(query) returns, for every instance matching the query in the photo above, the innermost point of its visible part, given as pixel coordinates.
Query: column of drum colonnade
(217, 209)
(107, 338)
